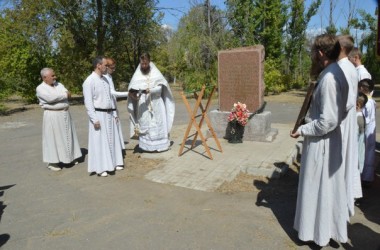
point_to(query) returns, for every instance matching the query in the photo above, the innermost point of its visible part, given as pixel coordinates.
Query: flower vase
(236, 132)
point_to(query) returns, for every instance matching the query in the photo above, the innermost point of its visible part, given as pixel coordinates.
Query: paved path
(195, 170)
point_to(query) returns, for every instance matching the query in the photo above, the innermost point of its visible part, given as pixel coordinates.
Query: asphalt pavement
(72, 209)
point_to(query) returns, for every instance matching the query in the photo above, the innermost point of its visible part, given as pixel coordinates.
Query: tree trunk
(99, 28)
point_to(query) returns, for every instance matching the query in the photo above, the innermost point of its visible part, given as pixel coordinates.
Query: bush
(195, 80)
(4, 89)
(275, 81)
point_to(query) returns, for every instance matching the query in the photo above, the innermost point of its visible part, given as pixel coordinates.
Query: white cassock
(104, 145)
(369, 112)
(349, 127)
(59, 137)
(361, 139)
(363, 72)
(154, 112)
(116, 94)
(321, 211)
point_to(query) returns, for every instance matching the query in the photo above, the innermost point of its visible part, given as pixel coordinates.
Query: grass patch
(3, 108)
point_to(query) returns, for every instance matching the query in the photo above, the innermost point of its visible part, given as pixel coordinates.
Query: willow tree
(194, 46)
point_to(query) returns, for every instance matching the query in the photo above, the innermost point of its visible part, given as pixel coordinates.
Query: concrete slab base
(257, 129)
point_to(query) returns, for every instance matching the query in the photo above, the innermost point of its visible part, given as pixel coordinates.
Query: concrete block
(257, 129)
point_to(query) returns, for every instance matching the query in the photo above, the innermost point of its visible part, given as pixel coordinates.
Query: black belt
(105, 110)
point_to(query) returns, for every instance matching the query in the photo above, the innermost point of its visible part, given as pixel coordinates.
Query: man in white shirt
(104, 145)
(321, 210)
(59, 138)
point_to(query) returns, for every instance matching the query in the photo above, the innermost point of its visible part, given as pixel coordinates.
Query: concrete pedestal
(257, 129)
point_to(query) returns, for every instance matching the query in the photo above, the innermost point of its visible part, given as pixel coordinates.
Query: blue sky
(321, 19)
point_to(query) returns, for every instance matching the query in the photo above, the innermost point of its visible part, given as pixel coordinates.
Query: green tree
(258, 22)
(194, 47)
(121, 29)
(368, 25)
(67, 34)
(296, 54)
(25, 48)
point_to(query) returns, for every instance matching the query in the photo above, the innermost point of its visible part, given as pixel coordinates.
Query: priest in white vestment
(321, 210)
(151, 107)
(349, 125)
(59, 138)
(104, 144)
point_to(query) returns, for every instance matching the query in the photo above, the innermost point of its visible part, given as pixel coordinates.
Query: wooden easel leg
(205, 117)
(192, 118)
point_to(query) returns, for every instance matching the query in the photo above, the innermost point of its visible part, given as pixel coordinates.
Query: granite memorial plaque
(241, 77)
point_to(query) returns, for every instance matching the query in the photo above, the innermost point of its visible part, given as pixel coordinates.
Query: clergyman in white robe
(104, 144)
(116, 94)
(321, 211)
(363, 72)
(349, 128)
(59, 137)
(153, 113)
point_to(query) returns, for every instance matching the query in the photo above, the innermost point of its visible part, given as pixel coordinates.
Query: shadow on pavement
(280, 195)
(76, 161)
(3, 237)
(362, 236)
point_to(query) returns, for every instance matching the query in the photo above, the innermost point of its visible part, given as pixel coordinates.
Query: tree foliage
(296, 53)
(67, 34)
(368, 43)
(258, 22)
(194, 47)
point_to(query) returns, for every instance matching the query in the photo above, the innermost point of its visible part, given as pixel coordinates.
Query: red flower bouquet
(239, 113)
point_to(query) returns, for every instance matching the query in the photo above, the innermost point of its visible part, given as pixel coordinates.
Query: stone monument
(241, 79)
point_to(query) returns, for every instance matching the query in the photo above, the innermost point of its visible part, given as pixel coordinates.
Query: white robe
(59, 138)
(104, 145)
(321, 211)
(369, 112)
(349, 127)
(116, 94)
(361, 139)
(154, 112)
(363, 73)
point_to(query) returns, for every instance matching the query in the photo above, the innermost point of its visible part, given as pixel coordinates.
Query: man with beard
(151, 107)
(59, 137)
(104, 145)
(321, 211)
